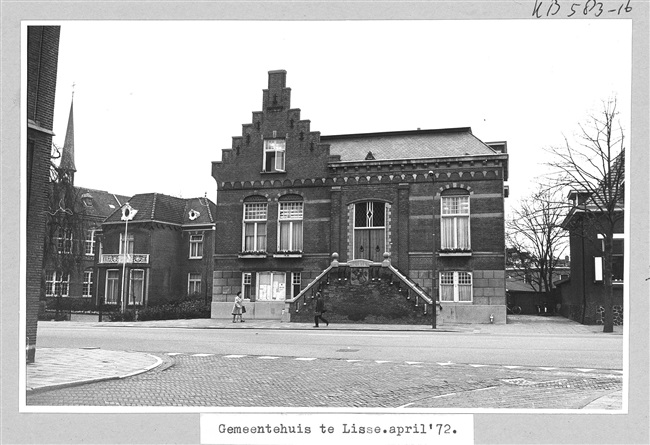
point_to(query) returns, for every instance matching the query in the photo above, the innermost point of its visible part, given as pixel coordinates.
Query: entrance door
(370, 231)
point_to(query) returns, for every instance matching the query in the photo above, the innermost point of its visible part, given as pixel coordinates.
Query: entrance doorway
(370, 230)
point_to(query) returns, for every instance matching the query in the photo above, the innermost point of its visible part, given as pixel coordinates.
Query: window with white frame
(290, 226)
(90, 242)
(129, 244)
(271, 286)
(193, 283)
(456, 286)
(274, 155)
(112, 293)
(618, 251)
(196, 246)
(295, 283)
(454, 222)
(247, 284)
(255, 214)
(56, 283)
(63, 240)
(136, 286)
(88, 283)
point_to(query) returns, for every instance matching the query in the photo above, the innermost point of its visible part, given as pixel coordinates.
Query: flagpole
(128, 213)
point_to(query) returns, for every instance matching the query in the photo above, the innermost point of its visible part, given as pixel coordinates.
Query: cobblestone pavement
(267, 381)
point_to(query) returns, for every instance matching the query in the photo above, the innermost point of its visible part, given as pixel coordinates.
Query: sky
(155, 102)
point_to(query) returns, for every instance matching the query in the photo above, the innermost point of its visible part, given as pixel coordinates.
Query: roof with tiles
(169, 209)
(99, 203)
(418, 144)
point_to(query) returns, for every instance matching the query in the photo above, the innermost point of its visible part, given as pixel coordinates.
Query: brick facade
(161, 231)
(42, 61)
(334, 176)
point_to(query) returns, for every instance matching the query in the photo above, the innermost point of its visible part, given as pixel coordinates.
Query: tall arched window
(370, 230)
(454, 220)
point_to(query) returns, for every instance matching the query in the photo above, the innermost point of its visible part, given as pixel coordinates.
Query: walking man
(319, 309)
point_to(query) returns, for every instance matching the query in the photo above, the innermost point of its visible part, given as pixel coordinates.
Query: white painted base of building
(259, 310)
(459, 313)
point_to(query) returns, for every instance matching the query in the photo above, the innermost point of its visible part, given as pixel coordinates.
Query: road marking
(471, 390)
(305, 358)
(413, 363)
(511, 367)
(583, 370)
(174, 353)
(267, 357)
(446, 364)
(358, 334)
(351, 361)
(233, 356)
(478, 366)
(382, 361)
(546, 368)
(202, 355)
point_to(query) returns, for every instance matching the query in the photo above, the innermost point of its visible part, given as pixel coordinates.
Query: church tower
(67, 167)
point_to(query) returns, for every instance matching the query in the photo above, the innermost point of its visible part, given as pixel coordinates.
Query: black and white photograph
(394, 223)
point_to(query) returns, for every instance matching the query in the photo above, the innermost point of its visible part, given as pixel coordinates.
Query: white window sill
(196, 258)
(287, 255)
(252, 255)
(454, 253)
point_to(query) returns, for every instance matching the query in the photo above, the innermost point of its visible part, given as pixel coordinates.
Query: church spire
(67, 156)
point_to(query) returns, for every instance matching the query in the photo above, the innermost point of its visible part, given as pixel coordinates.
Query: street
(339, 368)
(584, 351)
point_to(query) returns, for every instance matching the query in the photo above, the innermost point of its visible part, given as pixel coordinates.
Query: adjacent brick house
(42, 62)
(290, 200)
(583, 294)
(169, 250)
(170, 242)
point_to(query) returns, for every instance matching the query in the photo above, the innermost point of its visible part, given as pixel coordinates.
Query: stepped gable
(418, 144)
(304, 153)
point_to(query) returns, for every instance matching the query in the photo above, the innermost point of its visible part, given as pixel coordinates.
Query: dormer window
(87, 199)
(193, 215)
(274, 155)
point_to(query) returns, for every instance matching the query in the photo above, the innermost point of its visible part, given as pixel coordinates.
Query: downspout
(584, 276)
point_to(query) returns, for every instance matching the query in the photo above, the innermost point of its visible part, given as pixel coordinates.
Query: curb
(44, 388)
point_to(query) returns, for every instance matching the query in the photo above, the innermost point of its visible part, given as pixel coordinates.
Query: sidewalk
(518, 324)
(61, 367)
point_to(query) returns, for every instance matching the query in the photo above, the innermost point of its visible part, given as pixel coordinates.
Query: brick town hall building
(352, 216)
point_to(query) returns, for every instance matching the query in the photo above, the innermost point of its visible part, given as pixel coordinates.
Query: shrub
(69, 304)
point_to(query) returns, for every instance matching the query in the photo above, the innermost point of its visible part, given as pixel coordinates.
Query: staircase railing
(343, 274)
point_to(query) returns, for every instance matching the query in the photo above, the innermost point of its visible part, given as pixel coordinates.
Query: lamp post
(434, 260)
(128, 213)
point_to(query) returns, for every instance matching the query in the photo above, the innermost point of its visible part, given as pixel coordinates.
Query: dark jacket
(320, 306)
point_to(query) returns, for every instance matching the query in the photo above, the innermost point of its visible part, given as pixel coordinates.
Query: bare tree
(66, 226)
(594, 168)
(535, 238)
